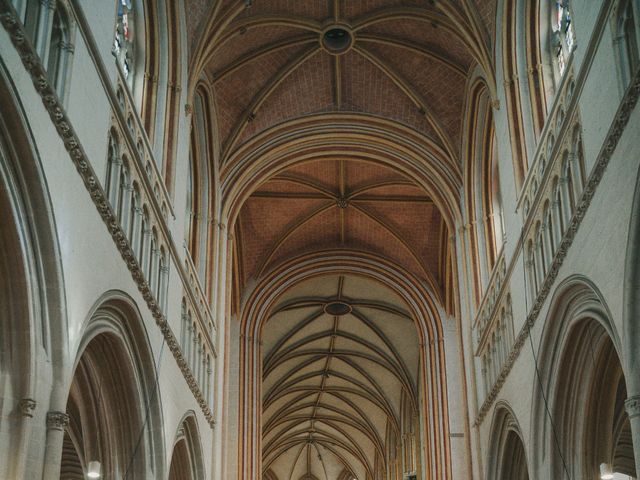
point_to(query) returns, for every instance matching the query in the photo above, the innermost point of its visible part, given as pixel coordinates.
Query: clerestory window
(563, 35)
(123, 47)
(626, 37)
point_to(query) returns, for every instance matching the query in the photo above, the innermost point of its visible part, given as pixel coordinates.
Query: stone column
(56, 423)
(220, 390)
(632, 405)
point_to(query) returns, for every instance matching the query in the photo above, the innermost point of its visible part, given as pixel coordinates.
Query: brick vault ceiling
(409, 61)
(344, 204)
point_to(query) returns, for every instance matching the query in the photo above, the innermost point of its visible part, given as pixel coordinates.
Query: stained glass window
(563, 34)
(123, 37)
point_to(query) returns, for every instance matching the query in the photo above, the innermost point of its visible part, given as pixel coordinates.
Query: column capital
(27, 407)
(57, 420)
(632, 405)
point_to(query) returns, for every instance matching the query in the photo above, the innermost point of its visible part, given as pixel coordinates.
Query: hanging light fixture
(606, 472)
(93, 470)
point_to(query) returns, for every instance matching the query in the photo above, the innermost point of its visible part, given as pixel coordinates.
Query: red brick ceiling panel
(238, 45)
(423, 33)
(314, 9)
(391, 218)
(277, 186)
(365, 234)
(196, 13)
(436, 83)
(324, 172)
(354, 9)
(362, 174)
(487, 10)
(321, 233)
(235, 92)
(418, 224)
(392, 191)
(367, 89)
(309, 89)
(264, 221)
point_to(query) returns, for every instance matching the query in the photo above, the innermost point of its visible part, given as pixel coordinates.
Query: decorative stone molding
(632, 405)
(27, 406)
(57, 420)
(76, 152)
(604, 156)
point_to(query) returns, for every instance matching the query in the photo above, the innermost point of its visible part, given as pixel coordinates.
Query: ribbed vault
(341, 204)
(340, 362)
(406, 61)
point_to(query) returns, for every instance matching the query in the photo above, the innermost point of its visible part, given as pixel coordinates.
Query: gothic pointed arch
(201, 185)
(186, 457)
(583, 386)
(513, 96)
(33, 313)
(483, 195)
(538, 64)
(112, 407)
(349, 392)
(507, 459)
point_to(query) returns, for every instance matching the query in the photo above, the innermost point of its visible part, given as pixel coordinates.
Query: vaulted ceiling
(341, 204)
(334, 383)
(407, 60)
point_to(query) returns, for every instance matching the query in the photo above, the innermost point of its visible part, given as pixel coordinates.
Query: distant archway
(507, 459)
(432, 404)
(186, 458)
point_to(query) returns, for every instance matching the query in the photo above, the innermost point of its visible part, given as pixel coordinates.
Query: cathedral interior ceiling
(333, 385)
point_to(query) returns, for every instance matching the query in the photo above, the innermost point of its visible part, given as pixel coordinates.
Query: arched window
(144, 238)
(153, 261)
(563, 36)
(123, 190)
(134, 214)
(123, 39)
(60, 50)
(626, 40)
(113, 168)
(494, 205)
(198, 203)
(30, 12)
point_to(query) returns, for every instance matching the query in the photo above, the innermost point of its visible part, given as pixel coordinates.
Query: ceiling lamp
(336, 39)
(337, 308)
(93, 470)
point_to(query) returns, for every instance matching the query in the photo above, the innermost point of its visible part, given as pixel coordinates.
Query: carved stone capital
(632, 405)
(27, 407)
(57, 420)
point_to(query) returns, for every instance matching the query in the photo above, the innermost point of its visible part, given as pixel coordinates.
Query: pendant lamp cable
(535, 362)
(148, 404)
